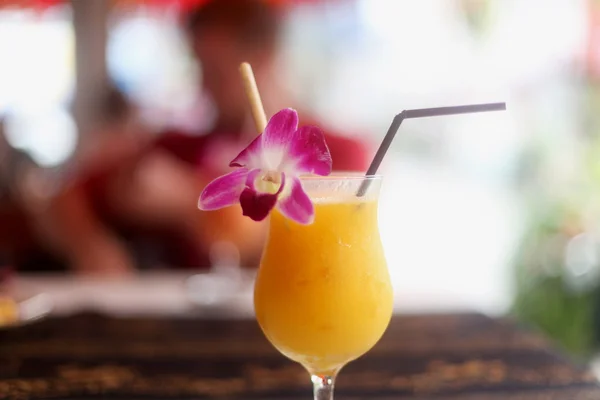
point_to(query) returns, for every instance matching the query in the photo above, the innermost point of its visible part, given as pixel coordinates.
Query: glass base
(323, 386)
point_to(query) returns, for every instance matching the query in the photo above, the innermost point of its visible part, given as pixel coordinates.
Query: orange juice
(323, 295)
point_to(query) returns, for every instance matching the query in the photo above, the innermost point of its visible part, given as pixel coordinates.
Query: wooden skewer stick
(256, 106)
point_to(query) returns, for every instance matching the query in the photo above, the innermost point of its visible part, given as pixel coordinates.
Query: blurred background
(115, 114)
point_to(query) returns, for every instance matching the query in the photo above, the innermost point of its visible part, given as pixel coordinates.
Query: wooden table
(443, 357)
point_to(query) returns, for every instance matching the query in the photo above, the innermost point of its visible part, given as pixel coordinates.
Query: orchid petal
(280, 130)
(270, 149)
(223, 191)
(295, 203)
(308, 153)
(258, 204)
(250, 157)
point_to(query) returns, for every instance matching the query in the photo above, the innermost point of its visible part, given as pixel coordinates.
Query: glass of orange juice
(323, 295)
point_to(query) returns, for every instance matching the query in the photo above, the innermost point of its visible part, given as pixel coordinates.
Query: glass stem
(323, 386)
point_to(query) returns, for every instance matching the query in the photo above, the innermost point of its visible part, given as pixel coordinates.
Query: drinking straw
(256, 106)
(419, 113)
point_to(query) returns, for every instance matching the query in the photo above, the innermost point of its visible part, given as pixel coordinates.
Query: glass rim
(342, 176)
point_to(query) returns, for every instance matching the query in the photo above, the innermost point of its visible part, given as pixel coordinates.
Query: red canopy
(183, 5)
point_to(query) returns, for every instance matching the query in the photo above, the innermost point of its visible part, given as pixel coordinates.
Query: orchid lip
(258, 204)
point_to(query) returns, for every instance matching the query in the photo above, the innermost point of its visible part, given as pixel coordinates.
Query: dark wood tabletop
(442, 357)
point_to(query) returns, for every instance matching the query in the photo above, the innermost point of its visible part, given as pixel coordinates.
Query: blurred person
(146, 199)
(222, 35)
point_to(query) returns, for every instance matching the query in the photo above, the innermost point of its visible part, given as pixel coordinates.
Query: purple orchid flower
(269, 169)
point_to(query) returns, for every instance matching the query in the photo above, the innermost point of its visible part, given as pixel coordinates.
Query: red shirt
(207, 153)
